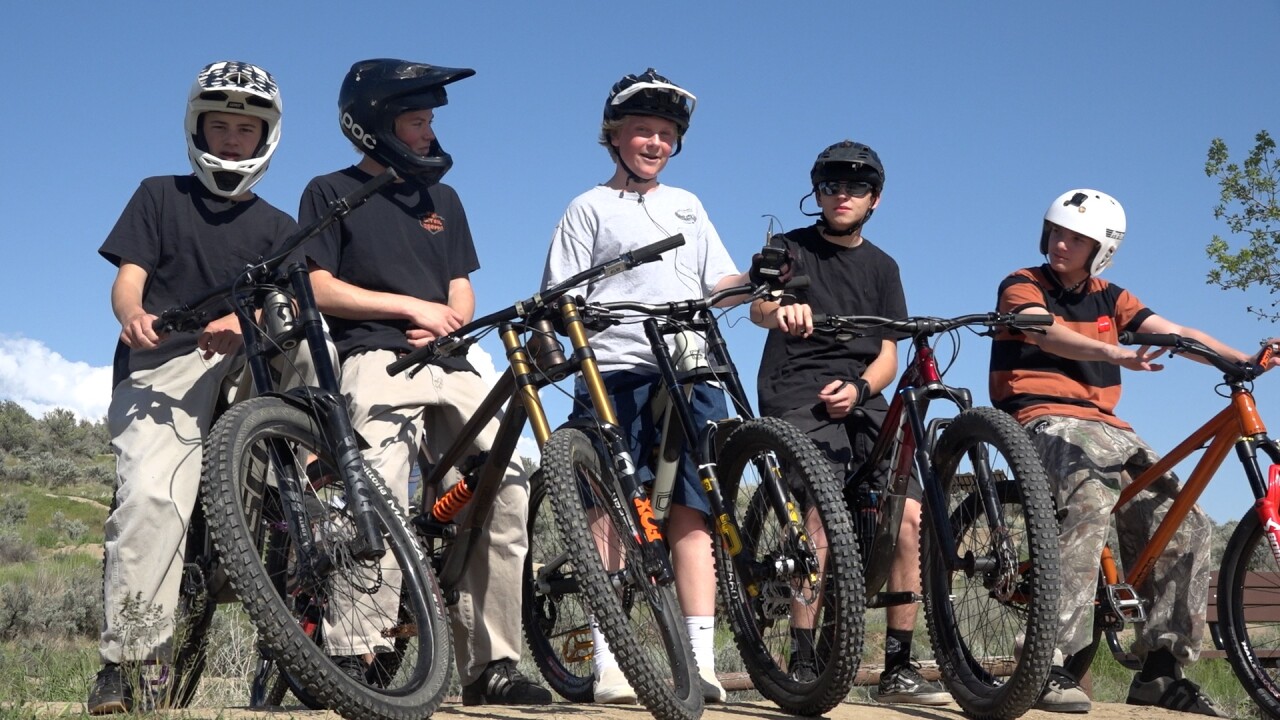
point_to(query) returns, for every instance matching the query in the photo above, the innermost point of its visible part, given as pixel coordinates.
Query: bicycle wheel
(260, 442)
(556, 619)
(783, 570)
(994, 624)
(1248, 618)
(640, 618)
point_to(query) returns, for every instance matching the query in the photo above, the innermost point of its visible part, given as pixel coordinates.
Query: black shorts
(847, 443)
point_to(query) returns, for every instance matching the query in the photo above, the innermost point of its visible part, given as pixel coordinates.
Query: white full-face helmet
(1093, 214)
(244, 89)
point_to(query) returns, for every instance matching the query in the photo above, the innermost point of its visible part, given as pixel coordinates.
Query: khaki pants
(158, 421)
(392, 414)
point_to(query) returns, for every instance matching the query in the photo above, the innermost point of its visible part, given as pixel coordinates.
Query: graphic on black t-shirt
(404, 240)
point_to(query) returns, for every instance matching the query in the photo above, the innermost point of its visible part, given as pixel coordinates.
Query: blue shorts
(630, 392)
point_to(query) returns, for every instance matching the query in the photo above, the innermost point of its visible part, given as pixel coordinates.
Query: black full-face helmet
(375, 92)
(651, 94)
(848, 160)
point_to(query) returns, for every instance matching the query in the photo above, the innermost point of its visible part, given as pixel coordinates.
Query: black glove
(771, 266)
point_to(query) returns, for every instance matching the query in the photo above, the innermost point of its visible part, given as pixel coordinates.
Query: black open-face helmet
(848, 160)
(375, 92)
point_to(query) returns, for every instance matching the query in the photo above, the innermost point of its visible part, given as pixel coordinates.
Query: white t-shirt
(601, 224)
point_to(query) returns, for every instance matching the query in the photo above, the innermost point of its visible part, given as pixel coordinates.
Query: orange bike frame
(1237, 421)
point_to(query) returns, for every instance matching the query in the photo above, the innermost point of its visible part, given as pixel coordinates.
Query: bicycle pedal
(1122, 605)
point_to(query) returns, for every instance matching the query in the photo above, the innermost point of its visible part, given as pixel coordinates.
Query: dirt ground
(568, 711)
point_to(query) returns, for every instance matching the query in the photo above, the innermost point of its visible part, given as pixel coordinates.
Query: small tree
(1248, 204)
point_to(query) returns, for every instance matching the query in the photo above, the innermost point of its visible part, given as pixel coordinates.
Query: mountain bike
(1249, 576)
(296, 523)
(989, 545)
(782, 537)
(639, 604)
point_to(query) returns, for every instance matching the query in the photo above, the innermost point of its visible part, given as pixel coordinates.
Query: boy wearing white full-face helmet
(1064, 385)
(179, 238)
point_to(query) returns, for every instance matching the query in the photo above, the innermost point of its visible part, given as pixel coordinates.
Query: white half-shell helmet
(244, 89)
(1093, 214)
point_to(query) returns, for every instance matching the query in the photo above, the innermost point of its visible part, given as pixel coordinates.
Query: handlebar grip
(1033, 319)
(820, 319)
(408, 361)
(1158, 339)
(651, 252)
(799, 282)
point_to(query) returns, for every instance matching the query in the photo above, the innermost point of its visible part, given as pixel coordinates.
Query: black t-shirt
(190, 242)
(403, 240)
(862, 280)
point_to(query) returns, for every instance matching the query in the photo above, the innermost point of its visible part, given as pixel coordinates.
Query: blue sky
(982, 113)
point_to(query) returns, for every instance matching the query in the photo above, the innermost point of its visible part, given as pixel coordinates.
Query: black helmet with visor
(375, 92)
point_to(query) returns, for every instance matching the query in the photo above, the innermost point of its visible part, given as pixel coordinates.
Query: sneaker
(1062, 694)
(502, 684)
(353, 666)
(804, 672)
(612, 688)
(110, 693)
(712, 690)
(1173, 694)
(905, 685)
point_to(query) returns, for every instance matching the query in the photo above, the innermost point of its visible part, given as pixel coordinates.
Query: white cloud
(41, 380)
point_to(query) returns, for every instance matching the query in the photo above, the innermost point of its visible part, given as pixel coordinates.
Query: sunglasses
(855, 189)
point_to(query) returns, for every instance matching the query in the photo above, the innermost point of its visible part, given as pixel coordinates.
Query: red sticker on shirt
(1104, 324)
(432, 223)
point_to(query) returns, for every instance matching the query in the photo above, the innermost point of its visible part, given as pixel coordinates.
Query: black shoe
(802, 670)
(1173, 693)
(904, 685)
(353, 666)
(110, 693)
(502, 684)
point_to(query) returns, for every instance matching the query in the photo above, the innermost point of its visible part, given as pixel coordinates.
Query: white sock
(601, 655)
(702, 634)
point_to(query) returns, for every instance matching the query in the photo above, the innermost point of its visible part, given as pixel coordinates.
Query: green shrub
(14, 548)
(13, 511)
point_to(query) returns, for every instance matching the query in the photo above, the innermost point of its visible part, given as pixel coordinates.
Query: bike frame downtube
(1228, 428)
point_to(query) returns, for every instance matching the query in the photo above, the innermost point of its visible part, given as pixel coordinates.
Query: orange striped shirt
(1028, 382)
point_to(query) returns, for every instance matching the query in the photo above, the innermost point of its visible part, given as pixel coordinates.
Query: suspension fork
(638, 520)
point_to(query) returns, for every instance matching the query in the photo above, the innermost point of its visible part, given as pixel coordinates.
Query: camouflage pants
(1089, 463)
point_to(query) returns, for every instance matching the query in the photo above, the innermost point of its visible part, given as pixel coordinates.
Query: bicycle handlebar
(192, 316)
(925, 326)
(606, 313)
(450, 343)
(1177, 343)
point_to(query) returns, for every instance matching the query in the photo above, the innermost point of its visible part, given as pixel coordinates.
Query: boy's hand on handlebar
(221, 336)
(1141, 359)
(138, 334)
(794, 319)
(771, 266)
